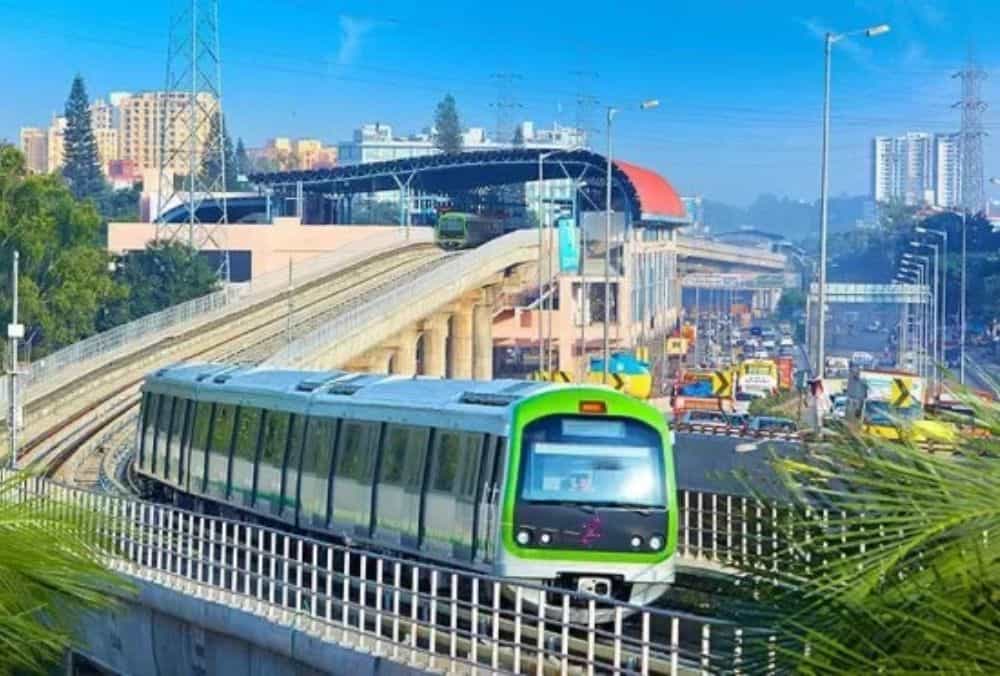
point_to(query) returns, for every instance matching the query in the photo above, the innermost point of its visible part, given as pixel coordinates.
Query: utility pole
(973, 193)
(15, 332)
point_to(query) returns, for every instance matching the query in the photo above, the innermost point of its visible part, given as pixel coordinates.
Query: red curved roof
(657, 198)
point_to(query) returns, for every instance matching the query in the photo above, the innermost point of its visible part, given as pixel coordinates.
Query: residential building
(56, 142)
(35, 146)
(143, 134)
(916, 168)
(947, 170)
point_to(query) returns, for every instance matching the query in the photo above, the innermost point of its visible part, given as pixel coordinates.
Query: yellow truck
(890, 405)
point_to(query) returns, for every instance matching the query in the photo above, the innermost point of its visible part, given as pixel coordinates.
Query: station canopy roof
(648, 197)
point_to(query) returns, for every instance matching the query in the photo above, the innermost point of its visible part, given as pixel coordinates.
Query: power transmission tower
(188, 141)
(973, 191)
(586, 103)
(505, 106)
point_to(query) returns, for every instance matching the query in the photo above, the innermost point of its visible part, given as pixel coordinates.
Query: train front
(590, 503)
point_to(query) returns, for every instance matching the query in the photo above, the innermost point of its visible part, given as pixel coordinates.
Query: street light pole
(961, 338)
(830, 40)
(944, 287)
(936, 351)
(606, 352)
(924, 271)
(15, 331)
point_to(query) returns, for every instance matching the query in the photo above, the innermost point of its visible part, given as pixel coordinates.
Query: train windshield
(595, 461)
(451, 226)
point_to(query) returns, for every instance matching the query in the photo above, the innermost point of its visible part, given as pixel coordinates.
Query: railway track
(78, 418)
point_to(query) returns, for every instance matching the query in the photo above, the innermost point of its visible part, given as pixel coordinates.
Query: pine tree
(447, 128)
(82, 166)
(211, 163)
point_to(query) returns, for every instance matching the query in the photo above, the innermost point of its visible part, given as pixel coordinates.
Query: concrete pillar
(482, 341)
(436, 346)
(405, 362)
(460, 359)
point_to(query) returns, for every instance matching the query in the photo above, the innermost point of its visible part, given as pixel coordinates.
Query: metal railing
(428, 616)
(103, 347)
(403, 305)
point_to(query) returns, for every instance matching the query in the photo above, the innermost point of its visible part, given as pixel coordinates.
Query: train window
(401, 477)
(223, 423)
(449, 512)
(245, 454)
(171, 471)
(316, 459)
(148, 430)
(199, 446)
(352, 490)
(290, 477)
(272, 457)
(162, 432)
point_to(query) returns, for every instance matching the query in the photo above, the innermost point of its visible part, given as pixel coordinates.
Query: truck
(758, 377)
(890, 404)
(704, 389)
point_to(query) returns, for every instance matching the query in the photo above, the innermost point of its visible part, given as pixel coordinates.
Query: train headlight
(636, 542)
(523, 538)
(545, 538)
(656, 543)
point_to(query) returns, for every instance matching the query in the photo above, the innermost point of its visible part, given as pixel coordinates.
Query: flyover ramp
(390, 311)
(696, 248)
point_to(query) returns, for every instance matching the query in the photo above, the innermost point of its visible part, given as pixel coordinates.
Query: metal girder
(873, 293)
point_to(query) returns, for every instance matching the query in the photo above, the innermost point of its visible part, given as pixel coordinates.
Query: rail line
(94, 407)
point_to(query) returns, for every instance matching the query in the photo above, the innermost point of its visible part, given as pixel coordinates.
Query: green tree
(162, 275)
(900, 571)
(791, 304)
(82, 166)
(211, 161)
(64, 279)
(244, 166)
(447, 127)
(49, 572)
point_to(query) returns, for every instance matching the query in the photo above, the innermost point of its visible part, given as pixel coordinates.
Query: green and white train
(567, 486)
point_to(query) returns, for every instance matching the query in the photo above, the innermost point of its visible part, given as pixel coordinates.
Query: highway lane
(710, 463)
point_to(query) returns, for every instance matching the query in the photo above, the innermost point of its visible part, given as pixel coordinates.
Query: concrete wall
(271, 246)
(161, 631)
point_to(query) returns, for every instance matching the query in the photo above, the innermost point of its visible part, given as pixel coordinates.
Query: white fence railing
(103, 347)
(420, 614)
(406, 304)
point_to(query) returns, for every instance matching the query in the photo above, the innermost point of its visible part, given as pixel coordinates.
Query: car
(769, 344)
(786, 341)
(839, 407)
(761, 354)
(765, 423)
(706, 418)
(756, 331)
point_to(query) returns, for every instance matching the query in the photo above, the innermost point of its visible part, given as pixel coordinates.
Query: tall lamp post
(542, 221)
(936, 352)
(923, 264)
(914, 275)
(605, 351)
(943, 234)
(831, 39)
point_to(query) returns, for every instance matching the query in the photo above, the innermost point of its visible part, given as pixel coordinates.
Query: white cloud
(352, 33)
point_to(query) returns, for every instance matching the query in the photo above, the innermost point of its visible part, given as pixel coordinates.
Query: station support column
(461, 342)
(482, 343)
(436, 346)
(406, 355)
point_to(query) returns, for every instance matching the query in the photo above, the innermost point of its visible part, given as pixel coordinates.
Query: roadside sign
(722, 384)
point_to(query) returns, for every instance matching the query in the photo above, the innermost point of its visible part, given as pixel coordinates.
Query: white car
(768, 344)
(786, 341)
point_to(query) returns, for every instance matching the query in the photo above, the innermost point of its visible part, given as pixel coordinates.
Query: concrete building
(35, 146)
(916, 168)
(947, 170)
(141, 124)
(56, 143)
(285, 154)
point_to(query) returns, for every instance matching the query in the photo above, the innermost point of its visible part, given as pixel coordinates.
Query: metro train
(460, 230)
(569, 487)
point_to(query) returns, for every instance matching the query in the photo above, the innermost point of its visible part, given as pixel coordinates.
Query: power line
(505, 105)
(189, 141)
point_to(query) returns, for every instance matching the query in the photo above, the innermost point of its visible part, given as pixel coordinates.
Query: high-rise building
(56, 142)
(913, 168)
(35, 146)
(947, 170)
(145, 132)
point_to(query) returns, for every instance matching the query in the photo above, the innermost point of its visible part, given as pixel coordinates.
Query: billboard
(569, 245)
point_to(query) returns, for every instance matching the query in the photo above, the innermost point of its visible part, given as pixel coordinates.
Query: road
(709, 463)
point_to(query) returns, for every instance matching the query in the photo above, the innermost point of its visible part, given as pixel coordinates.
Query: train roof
(483, 405)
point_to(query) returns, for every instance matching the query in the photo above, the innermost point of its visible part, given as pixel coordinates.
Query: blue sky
(739, 81)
